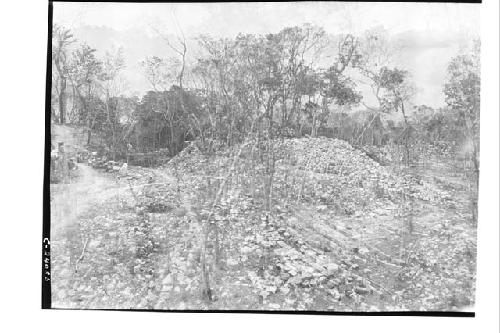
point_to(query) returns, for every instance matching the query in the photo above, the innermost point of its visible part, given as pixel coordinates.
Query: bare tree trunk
(313, 125)
(474, 194)
(111, 126)
(173, 148)
(89, 129)
(269, 161)
(183, 56)
(206, 291)
(407, 134)
(89, 134)
(217, 245)
(62, 101)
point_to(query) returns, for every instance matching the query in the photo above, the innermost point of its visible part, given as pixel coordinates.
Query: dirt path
(87, 189)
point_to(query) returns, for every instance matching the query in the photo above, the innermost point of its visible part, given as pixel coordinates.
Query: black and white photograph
(316, 157)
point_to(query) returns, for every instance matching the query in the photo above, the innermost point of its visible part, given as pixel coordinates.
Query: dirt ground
(96, 264)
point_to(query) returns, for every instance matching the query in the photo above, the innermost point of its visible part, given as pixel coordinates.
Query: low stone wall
(151, 159)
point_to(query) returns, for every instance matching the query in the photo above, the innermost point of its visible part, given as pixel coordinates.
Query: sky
(433, 33)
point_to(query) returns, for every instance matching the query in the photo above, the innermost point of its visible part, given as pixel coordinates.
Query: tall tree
(336, 88)
(462, 91)
(397, 90)
(62, 38)
(376, 50)
(112, 85)
(162, 75)
(86, 71)
(302, 47)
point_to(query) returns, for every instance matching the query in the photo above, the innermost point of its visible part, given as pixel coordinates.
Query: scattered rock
(167, 280)
(362, 290)
(364, 251)
(322, 208)
(332, 268)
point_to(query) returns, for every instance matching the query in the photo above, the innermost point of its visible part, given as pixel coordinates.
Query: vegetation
(283, 189)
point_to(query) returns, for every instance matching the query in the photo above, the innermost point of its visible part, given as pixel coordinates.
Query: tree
(397, 90)
(223, 77)
(86, 70)
(176, 106)
(336, 88)
(161, 73)
(375, 51)
(302, 47)
(62, 38)
(178, 45)
(462, 91)
(112, 85)
(331, 86)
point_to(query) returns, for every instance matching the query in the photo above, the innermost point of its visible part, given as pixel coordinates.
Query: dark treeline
(278, 85)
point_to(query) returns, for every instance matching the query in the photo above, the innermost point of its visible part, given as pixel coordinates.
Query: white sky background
(228, 19)
(427, 63)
